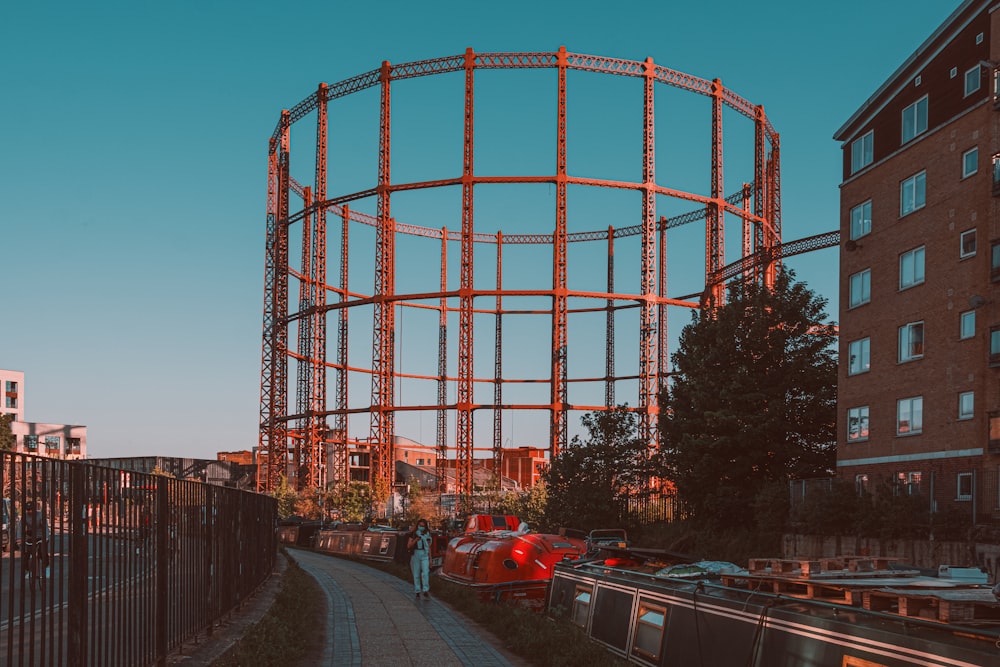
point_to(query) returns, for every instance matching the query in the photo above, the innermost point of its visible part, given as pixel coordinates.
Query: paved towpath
(374, 620)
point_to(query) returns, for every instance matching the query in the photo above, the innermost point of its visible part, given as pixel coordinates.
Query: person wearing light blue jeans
(419, 545)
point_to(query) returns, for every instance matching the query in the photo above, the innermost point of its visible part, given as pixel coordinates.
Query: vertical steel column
(382, 416)
(715, 251)
(442, 384)
(748, 225)
(498, 370)
(303, 460)
(609, 326)
(319, 428)
(774, 187)
(338, 466)
(557, 413)
(464, 429)
(267, 352)
(77, 582)
(661, 317)
(277, 455)
(760, 192)
(648, 404)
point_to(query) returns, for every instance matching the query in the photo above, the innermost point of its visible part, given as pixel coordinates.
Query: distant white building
(58, 441)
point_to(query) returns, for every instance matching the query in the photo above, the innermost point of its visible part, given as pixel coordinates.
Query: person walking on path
(419, 546)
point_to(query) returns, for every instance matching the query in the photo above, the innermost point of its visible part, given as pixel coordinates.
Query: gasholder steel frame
(295, 444)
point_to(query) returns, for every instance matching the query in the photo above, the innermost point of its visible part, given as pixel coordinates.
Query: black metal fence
(109, 567)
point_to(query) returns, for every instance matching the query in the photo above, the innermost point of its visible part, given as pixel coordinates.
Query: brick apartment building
(919, 384)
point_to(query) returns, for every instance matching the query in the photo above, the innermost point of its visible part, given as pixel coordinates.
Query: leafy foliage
(8, 441)
(589, 482)
(286, 497)
(353, 499)
(528, 505)
(752, 399)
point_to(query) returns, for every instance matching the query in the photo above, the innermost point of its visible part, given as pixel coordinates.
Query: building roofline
(946, 25)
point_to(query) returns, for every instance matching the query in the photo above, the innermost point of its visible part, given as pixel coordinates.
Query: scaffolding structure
(297, 440)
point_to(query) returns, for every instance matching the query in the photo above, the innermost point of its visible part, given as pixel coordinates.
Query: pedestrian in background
(419, 546)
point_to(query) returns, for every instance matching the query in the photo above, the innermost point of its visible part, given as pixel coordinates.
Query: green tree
(8, 442)
(752, 399)
(528, 505)
(353, 499)
(286, 497)
(590, 480)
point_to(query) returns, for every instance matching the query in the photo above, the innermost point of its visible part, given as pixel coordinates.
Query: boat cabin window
(581, 606)
(649, 625)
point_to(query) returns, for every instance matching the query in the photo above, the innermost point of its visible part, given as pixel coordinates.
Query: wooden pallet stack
(868, 582)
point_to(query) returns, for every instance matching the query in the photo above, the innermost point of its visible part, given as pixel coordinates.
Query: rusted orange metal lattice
(296, 444)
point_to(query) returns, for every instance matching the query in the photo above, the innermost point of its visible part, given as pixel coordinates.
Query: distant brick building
(919, 384)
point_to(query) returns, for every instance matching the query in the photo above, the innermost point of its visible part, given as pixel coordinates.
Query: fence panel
(104, 567)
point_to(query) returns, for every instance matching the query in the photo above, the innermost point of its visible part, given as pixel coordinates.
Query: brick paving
(374, 620)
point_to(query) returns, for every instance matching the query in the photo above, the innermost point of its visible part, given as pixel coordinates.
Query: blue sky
(133, 167)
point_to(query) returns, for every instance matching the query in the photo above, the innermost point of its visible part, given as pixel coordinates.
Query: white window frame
(861, 483)
(911, 341)
(862, 151)
(646, 629)
(858, 415)
(962, 251)
(958, 486)
(966, 405)
(913, 193)
(859, 358)
(913, 409)
(974, 83)
(911, 268)
(970, 162)
(860, 288)
(916, 115)
(967, 324)
(861, 220)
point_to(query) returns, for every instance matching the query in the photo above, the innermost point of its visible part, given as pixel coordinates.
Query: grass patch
(287, 634)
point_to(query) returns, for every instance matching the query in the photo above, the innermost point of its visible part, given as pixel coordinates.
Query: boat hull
(653, 621)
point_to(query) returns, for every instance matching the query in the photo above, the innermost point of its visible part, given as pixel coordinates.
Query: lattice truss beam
(302, 445)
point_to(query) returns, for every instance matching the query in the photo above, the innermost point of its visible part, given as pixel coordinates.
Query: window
(967, 324)
(581, 606)
(912, 193)
(915, 119)
(970, 162)
(994, 346)
(967, 244)
(52, 442)
(907, 483)
(910, 415)
(979, 38)
(648, 639)
(972, 78)
(857, 424)
(861, 483)
(861, 220)
(964, 491)
(953, 72)
(911, 268)
(11, 386)
(859, 356)
(11, 402)
(31, 443)
(861, 288)
(966, 403)
(995, 260)
(861, 151)
(911, 341)
(72, 445)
